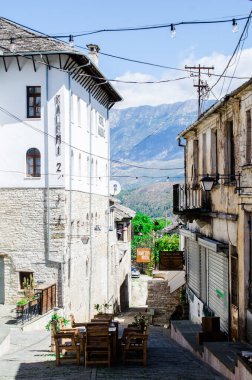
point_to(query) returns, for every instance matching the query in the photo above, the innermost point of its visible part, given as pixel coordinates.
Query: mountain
(145, 136)
(156, 200)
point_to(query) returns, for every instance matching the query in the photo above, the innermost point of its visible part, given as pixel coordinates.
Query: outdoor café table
(113, 333)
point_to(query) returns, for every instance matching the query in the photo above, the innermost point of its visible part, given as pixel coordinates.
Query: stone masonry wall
(160, 299)
(23, 238)
(84, 272)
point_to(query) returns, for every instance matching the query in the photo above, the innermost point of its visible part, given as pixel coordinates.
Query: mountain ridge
(145, 136)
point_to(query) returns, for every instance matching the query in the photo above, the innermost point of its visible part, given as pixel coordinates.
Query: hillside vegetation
(153, 199)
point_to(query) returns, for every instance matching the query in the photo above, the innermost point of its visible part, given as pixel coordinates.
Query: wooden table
(113, 332)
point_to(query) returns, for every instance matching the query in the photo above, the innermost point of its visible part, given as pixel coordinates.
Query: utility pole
(202, 86)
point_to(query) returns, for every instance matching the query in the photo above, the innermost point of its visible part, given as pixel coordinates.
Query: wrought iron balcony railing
(188, 199)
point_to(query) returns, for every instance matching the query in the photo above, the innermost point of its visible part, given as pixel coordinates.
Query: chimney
(93, 53)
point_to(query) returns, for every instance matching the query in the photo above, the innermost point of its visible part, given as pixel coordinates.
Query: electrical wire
(73, 69)
(121, 58)
(126, 29)
(234, 52)
(158, 65)
(87, 176)
(76, 148)
(238, 60)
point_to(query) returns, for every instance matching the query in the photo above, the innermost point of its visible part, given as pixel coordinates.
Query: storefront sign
(143, 255)
(171, 260)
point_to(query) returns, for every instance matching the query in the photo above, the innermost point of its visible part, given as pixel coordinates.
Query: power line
(76, 148)
(73, 69)
(87, 176)
(236, 48)
(202, 87)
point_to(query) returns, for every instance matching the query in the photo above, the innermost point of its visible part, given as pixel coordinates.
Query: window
(24, 276)
(214, 152)
(204, 154)
(34, 101)
(230, 152)
(119, 232)
(248, 137)
(195, 162)
(33, 163)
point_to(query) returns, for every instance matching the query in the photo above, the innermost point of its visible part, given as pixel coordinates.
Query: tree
(142, 227)
(166, 243)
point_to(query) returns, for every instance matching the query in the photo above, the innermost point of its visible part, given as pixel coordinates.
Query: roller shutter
(218, 286)
(203, 274)
(1, 280)
(193, 266)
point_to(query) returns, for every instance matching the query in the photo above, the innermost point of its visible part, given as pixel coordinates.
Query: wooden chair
(134, 346)
(104, 317)
(76, 324)
(98, 345)
(66, 341)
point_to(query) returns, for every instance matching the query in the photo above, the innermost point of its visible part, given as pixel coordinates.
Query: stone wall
(85, 272)
(160, 299)
(23, 239)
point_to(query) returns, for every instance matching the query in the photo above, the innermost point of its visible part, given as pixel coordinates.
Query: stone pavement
(30, 358)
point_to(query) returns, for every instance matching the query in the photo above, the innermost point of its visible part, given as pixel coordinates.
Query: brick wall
(160, 299)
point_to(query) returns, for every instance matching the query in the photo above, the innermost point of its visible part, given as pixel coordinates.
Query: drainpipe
(90, 204)
(70, 173)
(184, 146)
(108, 214)
(47, 166)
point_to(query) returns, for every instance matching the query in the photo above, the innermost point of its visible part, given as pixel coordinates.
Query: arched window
(33, 163)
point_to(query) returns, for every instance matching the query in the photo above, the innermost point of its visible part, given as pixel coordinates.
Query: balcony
(189, 200)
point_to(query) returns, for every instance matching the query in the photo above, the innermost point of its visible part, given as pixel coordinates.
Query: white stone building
(54, 170)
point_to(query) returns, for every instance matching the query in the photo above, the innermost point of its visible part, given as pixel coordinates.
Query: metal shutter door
(203, 274)
(1, 280)
(218, 287)
(193, 266)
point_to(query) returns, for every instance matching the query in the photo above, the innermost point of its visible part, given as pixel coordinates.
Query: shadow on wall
(124, 294)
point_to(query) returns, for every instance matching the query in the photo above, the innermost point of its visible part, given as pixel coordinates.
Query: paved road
(30, 358)
(139, 291)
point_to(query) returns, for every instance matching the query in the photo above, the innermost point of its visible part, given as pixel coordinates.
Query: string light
(234, 26)
(173, 31)
(71, 41)
(12, 44)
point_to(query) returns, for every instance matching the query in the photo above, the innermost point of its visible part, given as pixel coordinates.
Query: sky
(209, 44)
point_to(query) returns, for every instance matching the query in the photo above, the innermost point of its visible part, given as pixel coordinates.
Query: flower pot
(33, 302)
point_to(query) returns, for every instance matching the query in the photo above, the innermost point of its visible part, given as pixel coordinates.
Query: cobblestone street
(30, 358)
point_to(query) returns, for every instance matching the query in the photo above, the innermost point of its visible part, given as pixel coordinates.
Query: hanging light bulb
(234, 26)
(12, 44)
(71, 41)
(173, 31)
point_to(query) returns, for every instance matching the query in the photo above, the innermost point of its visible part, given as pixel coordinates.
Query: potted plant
(102, 309)
(56, 320)
(22, 304)
(29, 287)
(54, 325)
(141, 321)
(98, 308)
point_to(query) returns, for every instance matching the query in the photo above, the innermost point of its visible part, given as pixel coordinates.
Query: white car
(135, 273)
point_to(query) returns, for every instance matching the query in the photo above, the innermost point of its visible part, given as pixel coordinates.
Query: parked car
(135, 272)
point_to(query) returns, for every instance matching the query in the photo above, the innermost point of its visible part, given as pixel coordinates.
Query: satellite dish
(114, 188)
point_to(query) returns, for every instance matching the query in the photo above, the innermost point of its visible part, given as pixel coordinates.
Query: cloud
(164, 93)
